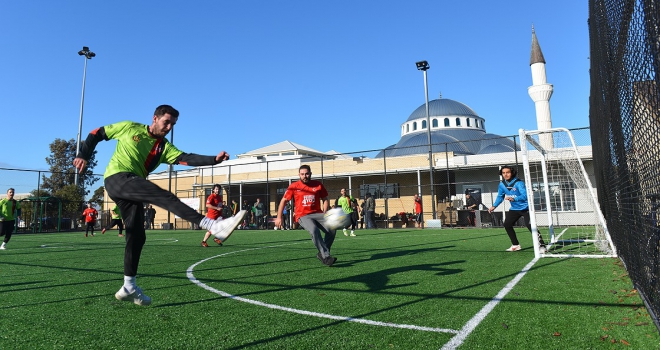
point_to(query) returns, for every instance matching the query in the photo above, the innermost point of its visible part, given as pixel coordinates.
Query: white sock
(3, 244)
(129, 283)
(352, 232)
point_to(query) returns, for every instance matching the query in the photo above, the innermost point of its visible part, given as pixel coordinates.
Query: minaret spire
(540, 91)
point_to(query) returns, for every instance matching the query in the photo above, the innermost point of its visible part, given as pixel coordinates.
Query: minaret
(540, 91)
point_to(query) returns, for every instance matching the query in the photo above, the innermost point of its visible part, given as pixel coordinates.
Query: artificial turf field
(389, 289)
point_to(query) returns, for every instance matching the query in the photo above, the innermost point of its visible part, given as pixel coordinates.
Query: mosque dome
(455, 127)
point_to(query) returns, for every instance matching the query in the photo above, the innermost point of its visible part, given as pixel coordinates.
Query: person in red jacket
(90, 215)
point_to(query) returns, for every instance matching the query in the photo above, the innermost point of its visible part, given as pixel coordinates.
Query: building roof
(285, 146)
(443, 107)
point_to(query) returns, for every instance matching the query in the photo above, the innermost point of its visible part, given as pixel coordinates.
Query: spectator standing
(10, 210)
(247, 208)
(151, 216)
(471, 205)
(259, 213)
(90, 215)
(419, 212)
(307, 196)
(370, 209)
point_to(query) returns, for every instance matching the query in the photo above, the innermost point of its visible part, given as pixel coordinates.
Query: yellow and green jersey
(115, 214)
(9, 209)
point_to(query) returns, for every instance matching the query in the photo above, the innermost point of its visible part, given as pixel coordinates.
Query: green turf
(56, 291)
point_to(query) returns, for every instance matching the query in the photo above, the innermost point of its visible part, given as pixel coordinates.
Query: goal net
(563, 205)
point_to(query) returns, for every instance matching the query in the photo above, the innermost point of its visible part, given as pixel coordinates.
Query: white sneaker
(345, 233)
(2, 247)
(137, 297)
(221, 229)
(352, 234)
(514, 248)
(543, 249)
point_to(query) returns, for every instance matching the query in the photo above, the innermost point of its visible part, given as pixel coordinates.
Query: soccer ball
(336, 218)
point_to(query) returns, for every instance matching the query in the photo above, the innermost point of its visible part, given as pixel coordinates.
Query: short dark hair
(513, 170)
(166, 109)
(218, 186)
(305, 166)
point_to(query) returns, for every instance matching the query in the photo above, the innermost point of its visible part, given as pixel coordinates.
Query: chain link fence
(625, 126)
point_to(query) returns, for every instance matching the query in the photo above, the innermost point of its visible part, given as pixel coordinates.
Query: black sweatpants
(129, 192)
(511, 217)
(116, 222)
(6, 229)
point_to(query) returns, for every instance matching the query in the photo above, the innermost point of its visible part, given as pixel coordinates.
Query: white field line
(194, 280)
(459, 338)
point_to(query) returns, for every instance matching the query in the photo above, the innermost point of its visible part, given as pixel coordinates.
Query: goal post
(563, 205)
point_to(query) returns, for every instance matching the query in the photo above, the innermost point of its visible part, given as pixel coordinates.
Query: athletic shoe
(103, 231)
(219, 242)
(329, 261)
(2, 247)
(204, 244)
(352, 234)
(345, 233)
(319, 256)
(222, 229)
(543, 249)
(121, 235)
(137, 297)
(514, 248)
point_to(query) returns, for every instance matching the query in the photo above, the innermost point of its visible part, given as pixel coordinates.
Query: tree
(62, 172)
(98, 197)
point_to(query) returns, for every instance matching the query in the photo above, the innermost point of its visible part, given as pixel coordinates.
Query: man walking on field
(140, 149)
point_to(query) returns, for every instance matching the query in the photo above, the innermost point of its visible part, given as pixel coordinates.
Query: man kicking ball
(140, 149)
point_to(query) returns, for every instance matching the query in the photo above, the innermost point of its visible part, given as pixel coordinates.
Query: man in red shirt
(214, 211)
(90, 215)
(419, 217)
(307, 195)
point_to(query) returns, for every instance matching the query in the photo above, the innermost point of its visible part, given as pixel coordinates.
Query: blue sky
(330, 75)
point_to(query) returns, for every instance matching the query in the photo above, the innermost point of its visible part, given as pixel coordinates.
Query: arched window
(483, 124)
(467, 121)
(423, 124)
(476, 122)
(414, 126)
(446, 121)
(407, 127)
(458, 121)
(434, 123)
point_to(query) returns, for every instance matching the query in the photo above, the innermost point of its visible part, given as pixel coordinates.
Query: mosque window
(458, 121)
(407, 127)
(414, 126)
(476, 122)
(467, 121)
(434, 123)
(446, 121)
(423, 124)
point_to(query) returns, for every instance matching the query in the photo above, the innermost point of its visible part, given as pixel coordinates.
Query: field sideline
(390, 289)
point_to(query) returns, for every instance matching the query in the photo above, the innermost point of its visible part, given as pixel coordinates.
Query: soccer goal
(563, 205)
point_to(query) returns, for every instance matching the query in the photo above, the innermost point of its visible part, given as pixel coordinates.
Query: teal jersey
(9, 209)
(137, 151)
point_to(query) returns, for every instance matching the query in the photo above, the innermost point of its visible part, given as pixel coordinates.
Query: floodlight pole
(88, 55)
(424, 66)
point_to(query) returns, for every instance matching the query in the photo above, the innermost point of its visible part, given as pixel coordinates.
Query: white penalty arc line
(194, 280)
(459, 338)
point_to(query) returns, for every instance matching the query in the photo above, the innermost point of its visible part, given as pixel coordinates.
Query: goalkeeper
(513, 190)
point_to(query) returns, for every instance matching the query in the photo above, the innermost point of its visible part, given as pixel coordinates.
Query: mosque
(465, 159)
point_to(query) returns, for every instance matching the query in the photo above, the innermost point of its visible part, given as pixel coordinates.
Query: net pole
(530, 198)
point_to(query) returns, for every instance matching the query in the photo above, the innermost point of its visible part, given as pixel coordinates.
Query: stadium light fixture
(88, 55)
(424, 66)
